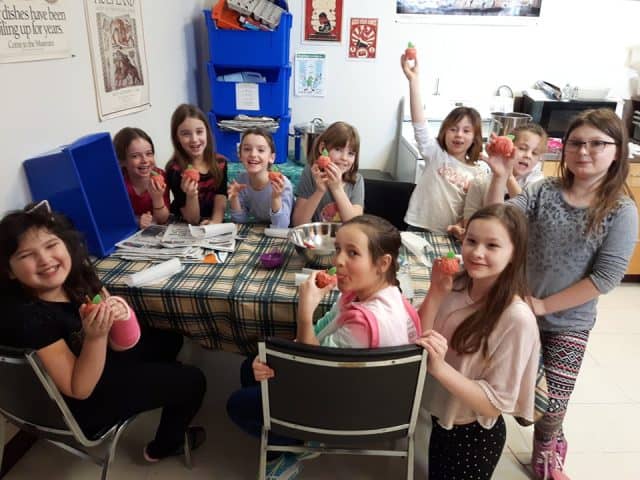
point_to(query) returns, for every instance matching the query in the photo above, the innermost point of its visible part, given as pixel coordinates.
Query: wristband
(159, 208)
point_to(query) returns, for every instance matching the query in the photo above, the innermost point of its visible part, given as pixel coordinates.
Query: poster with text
(34, 30)
(323, 20)
(309, 74)
(363, 37)
(118, 57)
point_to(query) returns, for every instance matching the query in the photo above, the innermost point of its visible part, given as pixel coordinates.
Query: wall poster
(309, 74)
(118, 56)
(323, 20)
(363, 37)
(34, 30)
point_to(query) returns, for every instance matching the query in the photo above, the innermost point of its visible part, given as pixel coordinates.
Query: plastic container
(83, 180)
(227, 143)
(249, 48)
(273, 95)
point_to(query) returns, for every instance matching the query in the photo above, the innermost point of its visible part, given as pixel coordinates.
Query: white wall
(582, 42)
(50, 103)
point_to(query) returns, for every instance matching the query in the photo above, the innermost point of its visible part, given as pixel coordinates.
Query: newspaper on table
(158, 243)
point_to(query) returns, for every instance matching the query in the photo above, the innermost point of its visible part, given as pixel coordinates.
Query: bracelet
(159, 208)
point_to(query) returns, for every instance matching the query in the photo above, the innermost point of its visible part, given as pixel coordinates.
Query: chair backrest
(388, 199)
(28, 396)
(342, 395)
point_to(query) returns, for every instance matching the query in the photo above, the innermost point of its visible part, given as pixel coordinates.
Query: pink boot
(543, 459)
(561, 448)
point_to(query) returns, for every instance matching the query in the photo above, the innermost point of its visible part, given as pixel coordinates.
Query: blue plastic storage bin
(273, 95)
(227, 143)
(83, 180)
(247, 47)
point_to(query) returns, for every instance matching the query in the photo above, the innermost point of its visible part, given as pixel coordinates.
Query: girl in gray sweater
(583, 227)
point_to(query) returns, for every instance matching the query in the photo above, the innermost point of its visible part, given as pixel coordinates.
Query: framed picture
(118, 57)
(363, 37)
(491, 12)
(323, 20)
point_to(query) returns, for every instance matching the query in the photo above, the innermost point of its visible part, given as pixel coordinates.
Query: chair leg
(187, 452)
(3, 433)
(111, 451)
(263, 454)
(410, 455)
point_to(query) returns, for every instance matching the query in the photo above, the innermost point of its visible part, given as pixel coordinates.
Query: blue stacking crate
(249, 47)
(227, 142)
(83, 180)
(273, 94)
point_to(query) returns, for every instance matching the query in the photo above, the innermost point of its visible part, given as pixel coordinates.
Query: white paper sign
(34, 30)
(247, 96)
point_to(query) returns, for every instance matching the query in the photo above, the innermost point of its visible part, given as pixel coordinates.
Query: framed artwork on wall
(323, 20)
(493, 12)
(363, 38)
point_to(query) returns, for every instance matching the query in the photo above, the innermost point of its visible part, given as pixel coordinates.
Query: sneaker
(285, 467)
(196, 436)
(543, 459)
(310, 455)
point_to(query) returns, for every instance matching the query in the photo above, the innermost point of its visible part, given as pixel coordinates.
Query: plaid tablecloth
(230, 306)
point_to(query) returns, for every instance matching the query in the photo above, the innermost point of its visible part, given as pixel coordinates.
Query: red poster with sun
(323, 20)
(363, 36)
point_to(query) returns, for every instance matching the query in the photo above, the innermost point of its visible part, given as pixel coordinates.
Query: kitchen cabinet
(550, 169)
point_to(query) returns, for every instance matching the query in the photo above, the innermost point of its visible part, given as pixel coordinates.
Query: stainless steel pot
(504, 123)
(304, 135)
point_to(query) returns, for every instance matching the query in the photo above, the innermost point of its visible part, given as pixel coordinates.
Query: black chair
(31, 401)
(388, 199)
(342, 397)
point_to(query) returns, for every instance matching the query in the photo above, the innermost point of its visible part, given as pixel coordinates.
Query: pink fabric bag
(125, 331)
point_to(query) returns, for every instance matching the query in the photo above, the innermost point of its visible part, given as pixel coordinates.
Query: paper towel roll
(155, 273)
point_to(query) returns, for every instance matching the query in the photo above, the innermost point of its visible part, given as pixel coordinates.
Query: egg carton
(266, 12)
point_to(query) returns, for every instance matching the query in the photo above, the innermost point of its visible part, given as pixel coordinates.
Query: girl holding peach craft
(196, 175)
(371, 312)
(45, 276)
(451, 161)
(145, 182)
(263, 194)
(333, 192)
(584, 227)
(483, 346)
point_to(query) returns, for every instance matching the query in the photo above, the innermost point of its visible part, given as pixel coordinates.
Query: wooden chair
(342, 397)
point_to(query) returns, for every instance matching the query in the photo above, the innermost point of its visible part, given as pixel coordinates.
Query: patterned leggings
(562, 354)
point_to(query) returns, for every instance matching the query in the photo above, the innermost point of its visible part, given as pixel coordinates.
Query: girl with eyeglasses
(583, 228)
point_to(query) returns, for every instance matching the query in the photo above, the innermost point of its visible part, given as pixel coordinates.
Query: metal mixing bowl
(315, 242)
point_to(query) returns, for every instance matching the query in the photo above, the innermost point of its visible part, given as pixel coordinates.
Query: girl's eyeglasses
(593, 146)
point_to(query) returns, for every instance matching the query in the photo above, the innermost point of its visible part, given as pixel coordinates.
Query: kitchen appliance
(636, 126)
(304, 135)
(553, 115)
(504, 123)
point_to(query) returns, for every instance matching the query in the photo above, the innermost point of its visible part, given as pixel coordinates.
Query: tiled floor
(602, 426)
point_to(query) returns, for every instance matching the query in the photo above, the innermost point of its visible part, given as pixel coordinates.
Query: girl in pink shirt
(483, 346)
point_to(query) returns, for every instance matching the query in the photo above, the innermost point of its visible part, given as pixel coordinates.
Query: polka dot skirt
(466, 452)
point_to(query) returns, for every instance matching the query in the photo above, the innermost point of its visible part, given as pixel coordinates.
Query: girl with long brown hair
(584, 227)
(201, 198)
(483, 346)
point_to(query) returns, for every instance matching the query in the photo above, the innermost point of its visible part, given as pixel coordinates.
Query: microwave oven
(555, 115)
